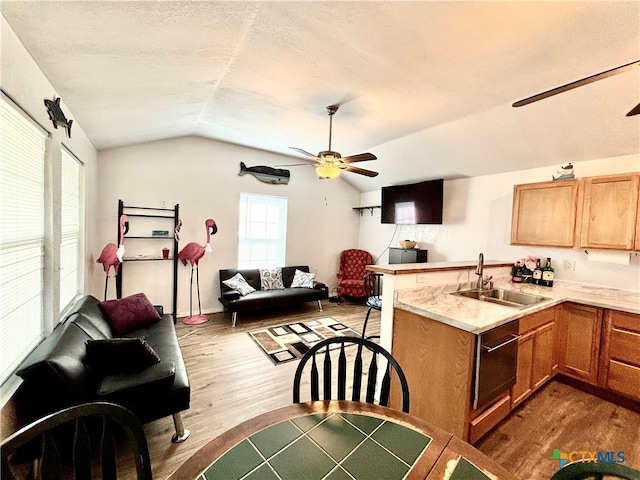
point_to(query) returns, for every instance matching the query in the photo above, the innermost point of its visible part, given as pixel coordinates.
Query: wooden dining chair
(367, 351)
(595, 471)
(73, 442)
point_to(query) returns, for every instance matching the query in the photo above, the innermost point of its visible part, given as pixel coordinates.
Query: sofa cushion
(129, 313)
(120, 355)
(239, 284)
(303, 279)
(123, 386)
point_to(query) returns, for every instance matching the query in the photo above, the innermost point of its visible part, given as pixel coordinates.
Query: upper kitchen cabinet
(610, 213)
(544, 213)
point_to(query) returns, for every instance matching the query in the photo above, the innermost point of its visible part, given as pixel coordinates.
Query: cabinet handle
(512, 339)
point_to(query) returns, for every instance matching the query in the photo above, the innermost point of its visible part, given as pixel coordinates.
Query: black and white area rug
(291, 341)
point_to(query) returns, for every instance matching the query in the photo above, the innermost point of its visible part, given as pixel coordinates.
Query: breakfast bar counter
(439, 303)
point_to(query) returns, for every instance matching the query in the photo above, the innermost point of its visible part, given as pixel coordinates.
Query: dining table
(337, 440)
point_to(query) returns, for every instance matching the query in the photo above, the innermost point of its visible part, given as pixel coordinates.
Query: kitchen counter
(476, 316)
(409, 268)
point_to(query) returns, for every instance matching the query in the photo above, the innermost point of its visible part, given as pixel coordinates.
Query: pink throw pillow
(129, 313)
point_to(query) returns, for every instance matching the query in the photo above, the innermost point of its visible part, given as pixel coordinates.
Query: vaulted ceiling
(425, 86)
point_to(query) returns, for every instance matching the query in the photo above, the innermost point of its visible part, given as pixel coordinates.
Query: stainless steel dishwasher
(496, 362)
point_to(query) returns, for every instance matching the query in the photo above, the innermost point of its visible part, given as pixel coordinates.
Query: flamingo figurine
(111, 255)
(193, 252)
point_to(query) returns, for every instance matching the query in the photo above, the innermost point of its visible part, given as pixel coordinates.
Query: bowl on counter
(408, 244)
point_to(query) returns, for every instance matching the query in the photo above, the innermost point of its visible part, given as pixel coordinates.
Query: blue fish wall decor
(56, 115)
(266, 174)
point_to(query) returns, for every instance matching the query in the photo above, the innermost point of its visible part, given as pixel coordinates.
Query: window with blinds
(22, 153)
(262, 231)
(70, 271)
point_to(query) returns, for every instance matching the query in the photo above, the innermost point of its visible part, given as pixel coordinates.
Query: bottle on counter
(516, 273)
(537, 274)
(548, 274)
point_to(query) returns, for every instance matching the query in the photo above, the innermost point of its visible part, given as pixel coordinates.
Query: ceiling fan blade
(361, 157)
(577, 83)
(304, 152)
(634, 111)
(361, 171)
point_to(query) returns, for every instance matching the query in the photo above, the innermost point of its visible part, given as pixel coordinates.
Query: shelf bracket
(370, 208)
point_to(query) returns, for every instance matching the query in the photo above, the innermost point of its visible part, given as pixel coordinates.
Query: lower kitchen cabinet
(620, 355)
(536, 359)
(579, 329)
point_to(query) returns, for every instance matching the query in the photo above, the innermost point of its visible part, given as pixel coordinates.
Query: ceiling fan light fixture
(327, 171)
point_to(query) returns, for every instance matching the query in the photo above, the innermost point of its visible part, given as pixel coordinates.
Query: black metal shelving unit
(163, 215)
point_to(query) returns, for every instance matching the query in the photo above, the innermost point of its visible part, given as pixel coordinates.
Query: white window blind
(70, 272)
(262, 231)
(22, 153)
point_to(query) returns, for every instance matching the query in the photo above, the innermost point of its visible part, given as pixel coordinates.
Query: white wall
(477, 218)
(27, 86)
(202, 177)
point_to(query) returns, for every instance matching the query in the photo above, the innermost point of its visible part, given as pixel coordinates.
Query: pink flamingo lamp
(192, 253)
(111, 255)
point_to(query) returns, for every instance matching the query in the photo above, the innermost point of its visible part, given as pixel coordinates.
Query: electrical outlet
(569, 265)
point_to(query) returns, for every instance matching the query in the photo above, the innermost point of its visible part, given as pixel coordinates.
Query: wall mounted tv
(413, 204)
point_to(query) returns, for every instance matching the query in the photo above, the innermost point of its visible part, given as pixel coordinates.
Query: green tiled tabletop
(328, 446)
(335, 440)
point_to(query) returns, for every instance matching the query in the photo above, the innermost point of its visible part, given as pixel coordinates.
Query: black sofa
(58, 373)
(234, 302)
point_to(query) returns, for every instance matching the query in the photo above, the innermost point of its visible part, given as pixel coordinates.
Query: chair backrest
(595, 470)
(52, 442)
(353, 263)
(367, 351)
(373, 285)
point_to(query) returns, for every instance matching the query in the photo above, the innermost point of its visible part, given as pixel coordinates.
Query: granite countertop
(475, 316)
(408, 268)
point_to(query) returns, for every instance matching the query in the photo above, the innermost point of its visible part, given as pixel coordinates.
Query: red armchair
(352, 271)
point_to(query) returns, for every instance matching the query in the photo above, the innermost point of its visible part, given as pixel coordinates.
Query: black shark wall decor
(266, 174)
(57, 115)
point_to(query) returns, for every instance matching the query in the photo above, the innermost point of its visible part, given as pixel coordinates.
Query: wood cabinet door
(522, 389)
(544, 213)
(579, 329)
(542, 365)
(609, 212)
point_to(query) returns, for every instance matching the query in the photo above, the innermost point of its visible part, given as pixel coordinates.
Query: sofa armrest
(319, 285)
(152, 379)
(160, 309)
(231, 295)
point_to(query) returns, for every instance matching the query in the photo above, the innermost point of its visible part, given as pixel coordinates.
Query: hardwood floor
(560, 416)
(232, 381)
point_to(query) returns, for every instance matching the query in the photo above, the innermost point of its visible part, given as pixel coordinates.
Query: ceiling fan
(581, 82)
(329, 164)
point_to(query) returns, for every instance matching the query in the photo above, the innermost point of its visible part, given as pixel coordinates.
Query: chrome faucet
(480, 272)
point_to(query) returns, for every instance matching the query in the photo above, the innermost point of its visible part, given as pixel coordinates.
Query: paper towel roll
(618, 258)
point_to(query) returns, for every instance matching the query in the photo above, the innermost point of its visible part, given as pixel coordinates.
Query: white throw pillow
(302, 279)
(271, 279)
(238, 283)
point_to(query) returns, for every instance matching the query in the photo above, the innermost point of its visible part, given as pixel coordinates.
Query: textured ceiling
(425, 86)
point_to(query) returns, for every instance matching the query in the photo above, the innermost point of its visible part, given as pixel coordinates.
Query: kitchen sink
(509, 298)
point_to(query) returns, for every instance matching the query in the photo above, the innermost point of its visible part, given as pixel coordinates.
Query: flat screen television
(413, 204)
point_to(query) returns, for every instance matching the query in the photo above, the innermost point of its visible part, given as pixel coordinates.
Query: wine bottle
(548, 274)
(537, 274)
(516, 273)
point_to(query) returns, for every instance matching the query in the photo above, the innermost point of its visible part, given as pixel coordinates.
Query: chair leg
(181, 433)
(366, 320)
(319, 306)
(234, 318)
